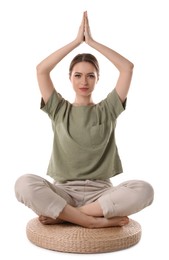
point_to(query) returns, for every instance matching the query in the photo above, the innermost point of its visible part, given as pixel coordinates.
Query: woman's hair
(84, 57)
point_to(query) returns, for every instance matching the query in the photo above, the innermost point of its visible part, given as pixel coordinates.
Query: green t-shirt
(84, 144)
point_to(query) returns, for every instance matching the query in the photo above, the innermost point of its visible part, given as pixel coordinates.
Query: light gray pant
(49, 199)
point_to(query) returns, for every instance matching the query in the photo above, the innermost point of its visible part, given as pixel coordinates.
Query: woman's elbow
(39, 69)
(131, 66)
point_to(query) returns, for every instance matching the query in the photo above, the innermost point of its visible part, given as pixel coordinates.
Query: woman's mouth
(84, 89)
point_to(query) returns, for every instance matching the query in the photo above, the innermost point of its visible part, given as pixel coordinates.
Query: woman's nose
(84, 80)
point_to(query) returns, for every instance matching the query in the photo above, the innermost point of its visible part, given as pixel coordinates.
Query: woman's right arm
(124, 66)
(47, 65)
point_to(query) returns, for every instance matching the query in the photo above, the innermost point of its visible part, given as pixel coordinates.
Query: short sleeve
(53, 104)
(116, 107)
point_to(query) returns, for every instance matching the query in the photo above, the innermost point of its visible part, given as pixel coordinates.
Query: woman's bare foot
(49, 221)
(94, 210)
(102, 222)
(113, 222)
(75, 216)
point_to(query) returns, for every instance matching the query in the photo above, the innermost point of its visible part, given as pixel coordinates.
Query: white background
(31, 30)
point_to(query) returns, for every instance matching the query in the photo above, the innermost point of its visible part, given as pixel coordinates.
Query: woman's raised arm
(124, 66)
(47, 65)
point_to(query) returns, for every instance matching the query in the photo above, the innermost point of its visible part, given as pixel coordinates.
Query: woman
(84, 155)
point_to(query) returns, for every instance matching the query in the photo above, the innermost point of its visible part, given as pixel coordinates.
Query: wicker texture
(75, 239)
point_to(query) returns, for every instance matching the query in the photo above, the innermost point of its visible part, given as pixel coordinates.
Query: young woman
(85, 155)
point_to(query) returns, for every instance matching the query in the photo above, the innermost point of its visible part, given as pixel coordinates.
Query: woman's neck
(83, 101)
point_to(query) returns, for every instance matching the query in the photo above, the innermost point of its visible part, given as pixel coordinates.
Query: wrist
(90, 42)
(77, 42)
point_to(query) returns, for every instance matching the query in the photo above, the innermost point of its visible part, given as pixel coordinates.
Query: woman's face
(83, 78)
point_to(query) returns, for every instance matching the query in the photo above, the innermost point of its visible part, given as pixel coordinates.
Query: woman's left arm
(124, 66)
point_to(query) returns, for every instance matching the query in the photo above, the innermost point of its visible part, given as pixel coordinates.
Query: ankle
(92, 222)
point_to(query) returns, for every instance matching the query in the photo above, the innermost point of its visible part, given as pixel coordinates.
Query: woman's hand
(80, 36)
(87, 33)
(84, 34)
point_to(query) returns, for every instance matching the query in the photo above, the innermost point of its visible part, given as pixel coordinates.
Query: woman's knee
(127, 198)
(143, 189)
(147, 192)
(144, 192)
(23, 186)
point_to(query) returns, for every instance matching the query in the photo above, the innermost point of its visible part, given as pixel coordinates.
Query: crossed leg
(89, 216)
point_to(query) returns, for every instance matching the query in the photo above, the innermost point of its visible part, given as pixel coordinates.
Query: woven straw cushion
(75, 239)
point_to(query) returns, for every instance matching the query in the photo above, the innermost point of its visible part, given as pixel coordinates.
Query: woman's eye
(77, 76)
(91, 76)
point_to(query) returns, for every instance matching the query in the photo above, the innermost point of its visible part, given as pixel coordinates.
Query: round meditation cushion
(76, 239)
